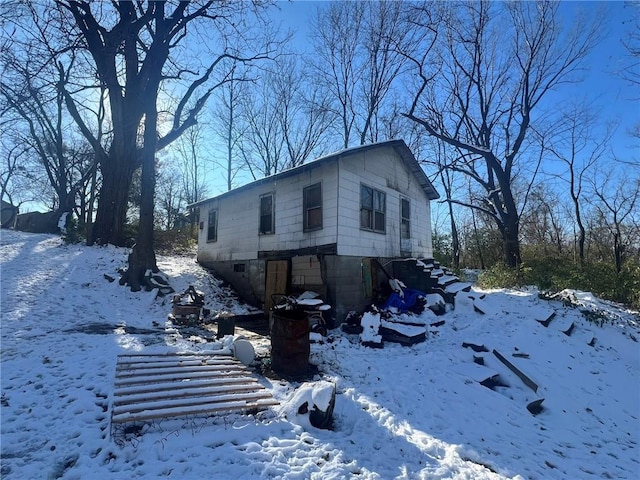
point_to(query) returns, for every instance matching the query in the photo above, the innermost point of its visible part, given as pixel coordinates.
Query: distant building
(319, 226)
(8, 215)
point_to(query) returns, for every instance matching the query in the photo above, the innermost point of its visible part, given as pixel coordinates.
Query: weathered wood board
(149, 387)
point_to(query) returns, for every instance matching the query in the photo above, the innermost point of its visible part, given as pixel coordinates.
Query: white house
(318, 226)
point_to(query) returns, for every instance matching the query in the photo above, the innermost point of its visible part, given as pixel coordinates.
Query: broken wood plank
(483, 375)
(520, 355)
(474, 347)
(520, 374)
(568, 331)
(535, 407)
(544, 316)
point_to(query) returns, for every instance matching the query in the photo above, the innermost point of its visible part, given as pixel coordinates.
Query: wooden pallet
(151, 386)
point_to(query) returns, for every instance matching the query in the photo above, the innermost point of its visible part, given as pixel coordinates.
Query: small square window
(239, 267)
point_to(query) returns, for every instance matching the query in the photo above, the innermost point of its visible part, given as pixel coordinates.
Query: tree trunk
(511, 243)
(143, 257)
(111, 214)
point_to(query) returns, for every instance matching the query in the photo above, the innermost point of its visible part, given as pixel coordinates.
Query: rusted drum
(290, 342)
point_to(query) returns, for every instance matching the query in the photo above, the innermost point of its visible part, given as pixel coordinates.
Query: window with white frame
(373, 207)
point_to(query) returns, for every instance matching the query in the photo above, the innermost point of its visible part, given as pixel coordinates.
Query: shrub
(555, 273)
(182, 241)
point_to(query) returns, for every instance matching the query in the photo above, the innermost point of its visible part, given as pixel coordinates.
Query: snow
(401, 412)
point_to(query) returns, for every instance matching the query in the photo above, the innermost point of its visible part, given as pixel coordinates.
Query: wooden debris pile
(187, 307)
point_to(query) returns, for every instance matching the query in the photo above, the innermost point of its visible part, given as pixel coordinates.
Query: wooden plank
(174, 412)
(169, 355)
(176, 377)
(179, 363)
(129, 373)
(187, 392)
(182, 385)
(525, 379)
(189, 402)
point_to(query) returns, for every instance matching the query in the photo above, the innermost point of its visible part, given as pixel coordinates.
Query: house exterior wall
(331, 260)
(381, 170)
(238, 218)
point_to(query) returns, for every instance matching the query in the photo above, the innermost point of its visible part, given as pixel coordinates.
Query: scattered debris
(535, 406)
(312, 405)
(187, 306)
(474, 347)
(401, 333)
(569, 330)
(370, 337)
(544, 317)
(481, 374)
(520, 355)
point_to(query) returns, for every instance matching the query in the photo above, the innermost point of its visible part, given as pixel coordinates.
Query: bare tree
(336, 37)
(579, 145)
(497, 63)
(132, 47)
(229, 127)
(361, 53)
(616, 204)
(283, 119)
(543, 223)
(31, 93)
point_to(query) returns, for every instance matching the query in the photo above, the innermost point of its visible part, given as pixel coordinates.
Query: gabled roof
(399, 146)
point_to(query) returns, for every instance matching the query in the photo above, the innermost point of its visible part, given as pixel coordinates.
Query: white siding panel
(384, 171)
(238, 218)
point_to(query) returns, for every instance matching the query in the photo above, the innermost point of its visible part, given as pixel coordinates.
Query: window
(312, 201)
(239, 267)
(373, 205)
(212, 227)
(267, 223)
(405, 218)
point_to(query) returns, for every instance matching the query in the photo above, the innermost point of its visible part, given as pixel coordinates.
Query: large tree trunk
(143, 257)
(511, 243)
(111, 214)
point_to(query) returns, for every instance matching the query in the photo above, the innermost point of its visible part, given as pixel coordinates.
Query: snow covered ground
(401, 412)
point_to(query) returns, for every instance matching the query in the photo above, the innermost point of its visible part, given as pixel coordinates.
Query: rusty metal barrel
(290, 342)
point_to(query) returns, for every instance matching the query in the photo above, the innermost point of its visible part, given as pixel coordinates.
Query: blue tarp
(403, 304)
